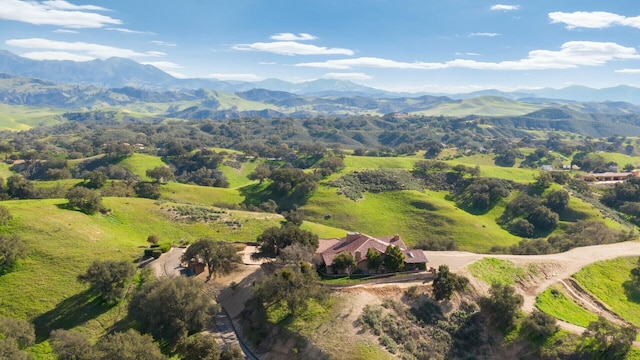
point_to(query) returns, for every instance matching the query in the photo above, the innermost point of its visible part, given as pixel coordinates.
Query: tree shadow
(632, 291)
(70, 313)
(66, 206)
(423, 205)
(571, 215)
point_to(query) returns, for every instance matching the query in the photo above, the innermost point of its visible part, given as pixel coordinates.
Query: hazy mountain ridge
(120, 72)
(203, 104)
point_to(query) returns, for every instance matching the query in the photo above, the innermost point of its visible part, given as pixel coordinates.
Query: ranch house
(358, 244)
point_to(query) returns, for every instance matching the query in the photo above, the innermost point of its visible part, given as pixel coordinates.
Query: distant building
(611, 176)
(546, 167)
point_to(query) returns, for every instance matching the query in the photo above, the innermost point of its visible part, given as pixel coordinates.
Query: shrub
(165, 247)
(156, 253)
(539, 326)
(148, 252)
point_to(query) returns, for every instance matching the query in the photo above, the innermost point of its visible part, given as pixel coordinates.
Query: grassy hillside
(556, 303)
(61, 244)
(140, 163)
(14, 117)
(482, 106)
(412, 214)
(609, 281)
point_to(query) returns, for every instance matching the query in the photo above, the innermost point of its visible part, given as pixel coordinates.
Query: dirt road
(567, 263)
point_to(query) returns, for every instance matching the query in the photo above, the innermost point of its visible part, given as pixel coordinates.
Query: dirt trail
(566, 263)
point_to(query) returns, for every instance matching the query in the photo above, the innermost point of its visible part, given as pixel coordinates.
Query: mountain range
(121, 72)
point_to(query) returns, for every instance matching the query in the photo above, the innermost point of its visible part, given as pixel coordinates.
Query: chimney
(352, 236)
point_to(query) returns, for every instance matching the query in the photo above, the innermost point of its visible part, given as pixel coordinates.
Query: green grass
(5, 172)
(489, 169)
(140, 163)
(412, 214)
(482, 106)
(620, 159)
(238, 177)
(370, 162)
(554, 302)
(61, 244)
(494, 270)
(323, 231)
(633, 354)
(200, 194)
(608, 281)
(17, 117)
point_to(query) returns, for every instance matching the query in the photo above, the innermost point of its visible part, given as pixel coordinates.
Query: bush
(165, 247)
(156, 253)
(437, 244)
(539, 326)
(148, 252)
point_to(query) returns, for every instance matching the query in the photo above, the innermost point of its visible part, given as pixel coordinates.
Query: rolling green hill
(61, 244)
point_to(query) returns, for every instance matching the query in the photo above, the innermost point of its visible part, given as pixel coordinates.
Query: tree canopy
(344, 262)
(108, 278)
(274, 239)
(446, 283)
(129, 345)
(171, 308)
(219, 256)
(393, 259)
(11, 249)
(502, 305)
(292, 285)
(84, 199)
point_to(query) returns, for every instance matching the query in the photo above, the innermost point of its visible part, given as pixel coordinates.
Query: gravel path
(567, 263)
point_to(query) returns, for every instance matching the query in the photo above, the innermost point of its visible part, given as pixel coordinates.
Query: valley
(492, 188)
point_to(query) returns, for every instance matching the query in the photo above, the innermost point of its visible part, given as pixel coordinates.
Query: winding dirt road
(566, 263)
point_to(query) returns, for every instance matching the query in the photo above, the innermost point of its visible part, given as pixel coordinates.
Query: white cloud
(366, 62)
(163, 43)
(65, 5)
(347, 76)
(572, 54)
(65, 31)
(485, 34)
(593, 19)
(501, 7)
(85, 49)
(267, 63)
(168, 67)
(628, 71)
(164, 65)
(56, 55)
(55, 12)
(293, 37)
(240, 77)
(292, 48)
(129, 31)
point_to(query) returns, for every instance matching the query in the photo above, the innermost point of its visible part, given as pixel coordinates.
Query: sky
(448, 46)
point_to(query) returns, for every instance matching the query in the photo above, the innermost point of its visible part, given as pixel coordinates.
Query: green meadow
(610, 282)
(412, 214)
(556, 303)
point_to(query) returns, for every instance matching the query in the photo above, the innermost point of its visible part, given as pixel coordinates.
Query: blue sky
(401, 45)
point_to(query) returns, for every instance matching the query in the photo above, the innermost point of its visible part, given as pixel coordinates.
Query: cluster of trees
(625, 197)
(199, 167)
(528, 216)
(274, 240)
(15, 336)
(170, 311)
